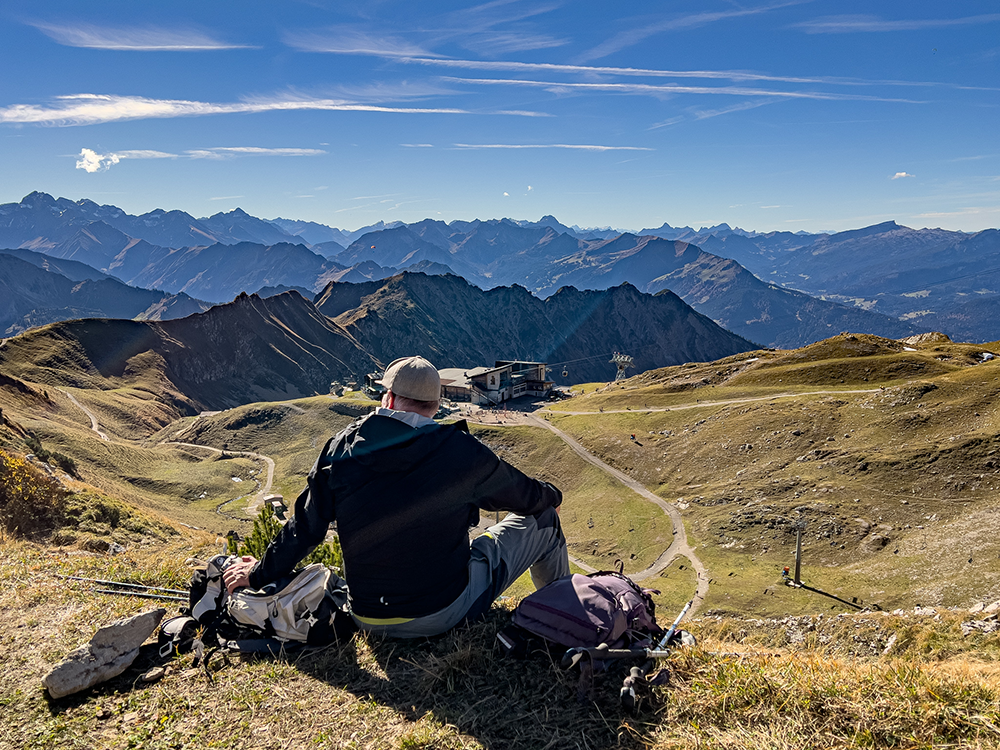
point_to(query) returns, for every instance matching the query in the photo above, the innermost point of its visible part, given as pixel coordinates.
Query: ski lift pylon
(622, 361)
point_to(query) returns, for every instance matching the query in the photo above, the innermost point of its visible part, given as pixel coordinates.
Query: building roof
(454, 376)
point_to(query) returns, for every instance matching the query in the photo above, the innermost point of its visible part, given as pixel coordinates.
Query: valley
(694, 476)
(887, 451)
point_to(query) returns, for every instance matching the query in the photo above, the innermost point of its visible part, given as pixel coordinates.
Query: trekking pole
(122, 584)
(161, 597)
(637, 675)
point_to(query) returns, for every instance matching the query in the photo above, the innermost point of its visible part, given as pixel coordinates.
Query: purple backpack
(577, 610)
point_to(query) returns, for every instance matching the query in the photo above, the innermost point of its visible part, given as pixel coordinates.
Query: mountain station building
(488, 386)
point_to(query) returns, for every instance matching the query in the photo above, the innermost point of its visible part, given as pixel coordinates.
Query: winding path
(679, 547)
(257, 499)
(93, 420)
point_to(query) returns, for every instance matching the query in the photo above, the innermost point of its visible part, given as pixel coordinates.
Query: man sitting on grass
(404, 491)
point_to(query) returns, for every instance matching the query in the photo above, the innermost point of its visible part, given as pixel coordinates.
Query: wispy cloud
(228, 152)
(91, 161)
(900, 175)
(145, 154)
(90, 109)
(672, 89)
(417, 145)
(506, 43)
(577, 146)
(865, 23)
(971, 211)
(523, 67)
(704, 114)
(643, 31)
(666, 123)
(352, 41)
(227, 197)
(726, 75)
(133, 38)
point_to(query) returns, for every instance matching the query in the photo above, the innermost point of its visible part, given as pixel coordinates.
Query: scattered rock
(924, 611)
(981, 626)
(110, 652)
(976, 608)
(874, 542)
(994, 607)
(154, 675)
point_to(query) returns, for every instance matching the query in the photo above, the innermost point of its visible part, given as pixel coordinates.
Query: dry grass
(748, 682)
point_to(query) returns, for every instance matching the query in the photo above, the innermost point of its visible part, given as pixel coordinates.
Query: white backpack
(312, 606)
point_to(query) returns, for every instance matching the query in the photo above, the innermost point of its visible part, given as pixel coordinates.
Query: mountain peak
(35, 199)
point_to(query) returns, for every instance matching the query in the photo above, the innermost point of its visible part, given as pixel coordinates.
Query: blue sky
(785, 115)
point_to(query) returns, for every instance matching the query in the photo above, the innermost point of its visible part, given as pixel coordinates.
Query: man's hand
(236, 575)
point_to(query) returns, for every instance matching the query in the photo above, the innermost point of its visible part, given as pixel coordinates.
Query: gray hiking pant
(498, 558)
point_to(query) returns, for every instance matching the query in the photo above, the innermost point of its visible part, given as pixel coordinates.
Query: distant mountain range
(779, 289)
(36, 289)
(284, 346)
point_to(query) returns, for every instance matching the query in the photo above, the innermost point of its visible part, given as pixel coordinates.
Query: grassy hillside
(890, 457)
(888, 451)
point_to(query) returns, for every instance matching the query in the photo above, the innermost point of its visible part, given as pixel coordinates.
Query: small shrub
(266, 528)
(61, 460)
(31, 503)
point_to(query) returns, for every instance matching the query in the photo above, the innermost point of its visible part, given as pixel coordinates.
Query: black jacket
(403, 500)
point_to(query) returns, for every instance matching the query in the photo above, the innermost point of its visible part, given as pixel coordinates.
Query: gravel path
(93, 420)
(678, 548)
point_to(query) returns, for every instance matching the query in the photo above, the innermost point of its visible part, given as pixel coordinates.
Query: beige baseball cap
(413, 377)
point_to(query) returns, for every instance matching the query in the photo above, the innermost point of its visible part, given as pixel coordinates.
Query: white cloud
(579, 146)
(227, 197)
(417, 145)
(132, 38)
(92, 109)
(91, 161)
(506, 195)
(530, 188)
(900, 175)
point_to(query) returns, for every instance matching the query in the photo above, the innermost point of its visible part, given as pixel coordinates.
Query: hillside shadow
(460, 679)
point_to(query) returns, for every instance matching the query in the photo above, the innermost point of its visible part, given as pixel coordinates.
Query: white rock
(110, 652)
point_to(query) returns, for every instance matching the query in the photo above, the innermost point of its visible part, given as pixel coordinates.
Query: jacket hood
(406, 445)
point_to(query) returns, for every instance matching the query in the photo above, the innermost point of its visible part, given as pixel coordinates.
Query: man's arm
(314, 512)
(506, 488)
